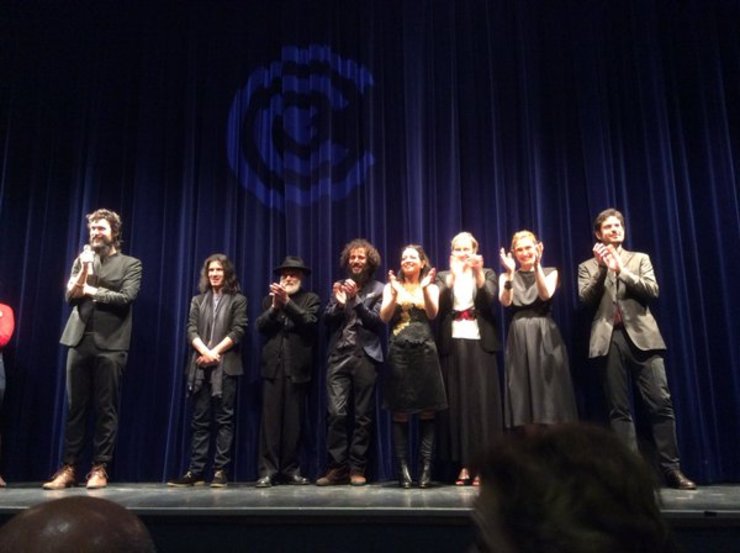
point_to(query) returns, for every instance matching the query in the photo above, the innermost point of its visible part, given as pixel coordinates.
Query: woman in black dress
(538, 384)
(414, 382)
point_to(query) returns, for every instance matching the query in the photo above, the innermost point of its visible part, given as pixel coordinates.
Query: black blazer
(483, 302)
(290, 335)
(367, 307)
(230, 320)
(118, 279)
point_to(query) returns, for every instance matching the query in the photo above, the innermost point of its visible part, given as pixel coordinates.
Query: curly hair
(373, 256)
(114, 220)
(231, 284)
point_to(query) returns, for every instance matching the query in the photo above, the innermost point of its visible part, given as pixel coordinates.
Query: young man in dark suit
(625, 340)
(102, 289)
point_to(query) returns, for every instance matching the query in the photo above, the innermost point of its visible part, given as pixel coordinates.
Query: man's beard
(102, 247)
(360, 278)
(292, 288)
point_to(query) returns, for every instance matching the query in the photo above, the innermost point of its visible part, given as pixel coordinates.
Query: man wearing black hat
(288, 323)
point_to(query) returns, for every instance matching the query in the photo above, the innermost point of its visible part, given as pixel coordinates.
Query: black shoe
(220, 479)
(404, 476)
(297, 480)
(264, 482)
(678, 480)
(187, 480)
(425, 479)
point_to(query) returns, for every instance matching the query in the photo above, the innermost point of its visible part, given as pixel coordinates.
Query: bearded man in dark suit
(355, 352)
(102, 288)
(625, 340)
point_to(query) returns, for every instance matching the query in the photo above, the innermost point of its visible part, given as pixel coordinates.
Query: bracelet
(508, 285)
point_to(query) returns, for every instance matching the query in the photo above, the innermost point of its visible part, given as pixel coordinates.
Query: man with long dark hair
(102, 288)
(218, 318)
(354, 354)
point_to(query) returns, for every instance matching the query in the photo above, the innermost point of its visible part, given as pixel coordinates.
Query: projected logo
(295, 131)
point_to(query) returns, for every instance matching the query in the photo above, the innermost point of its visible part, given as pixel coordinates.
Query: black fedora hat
(292, 262)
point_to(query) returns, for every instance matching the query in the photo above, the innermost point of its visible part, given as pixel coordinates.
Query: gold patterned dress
(413, 381)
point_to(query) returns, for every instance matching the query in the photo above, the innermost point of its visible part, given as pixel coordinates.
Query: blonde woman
(468, 342)
(538, 387)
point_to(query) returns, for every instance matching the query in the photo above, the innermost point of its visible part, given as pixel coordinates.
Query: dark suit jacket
(118, 279)
(290, 336)
(230, 320)
(483, 302)
(632, 290)
(367, 306)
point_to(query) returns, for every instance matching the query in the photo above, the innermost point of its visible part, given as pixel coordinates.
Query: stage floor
(377, 517)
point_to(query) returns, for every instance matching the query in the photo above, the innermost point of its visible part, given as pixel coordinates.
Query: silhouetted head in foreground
(572, 489)
(81, 523)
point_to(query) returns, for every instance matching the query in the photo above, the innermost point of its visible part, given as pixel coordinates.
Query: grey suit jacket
(108, 314)
(632, 290)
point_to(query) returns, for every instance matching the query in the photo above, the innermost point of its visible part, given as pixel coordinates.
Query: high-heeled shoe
(463, 479)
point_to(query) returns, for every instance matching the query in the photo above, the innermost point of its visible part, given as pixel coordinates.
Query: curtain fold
(260, 130)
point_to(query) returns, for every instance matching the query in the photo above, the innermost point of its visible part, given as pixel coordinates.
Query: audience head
(571, 489)
(80, 523)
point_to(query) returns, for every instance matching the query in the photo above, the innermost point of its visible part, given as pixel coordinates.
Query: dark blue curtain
(261, 129)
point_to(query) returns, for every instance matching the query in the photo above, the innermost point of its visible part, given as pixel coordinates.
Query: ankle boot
(427, 429)
(400, 445)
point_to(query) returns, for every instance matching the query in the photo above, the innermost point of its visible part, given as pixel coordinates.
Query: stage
(377, 517)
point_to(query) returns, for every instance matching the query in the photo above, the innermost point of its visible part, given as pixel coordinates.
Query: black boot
(400, 445)
(427, 429)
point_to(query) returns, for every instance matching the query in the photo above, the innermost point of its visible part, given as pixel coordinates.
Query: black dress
(538, 384)
(414, 379)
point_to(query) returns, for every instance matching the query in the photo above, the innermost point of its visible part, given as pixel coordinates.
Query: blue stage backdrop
(261, 129)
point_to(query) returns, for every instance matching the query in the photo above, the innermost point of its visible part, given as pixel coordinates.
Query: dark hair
(231, 284)
(574, 488)
(604, 215)
(114, 220)
(66, 524)
(426, 264)
(373, 257)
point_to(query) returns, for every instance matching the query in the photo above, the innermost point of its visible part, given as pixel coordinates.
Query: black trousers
(647, 368)
(283, 404)
(350, 380)
(93, 377)
(210, 412)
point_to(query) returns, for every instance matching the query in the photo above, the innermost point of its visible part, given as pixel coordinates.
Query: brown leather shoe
(356, 478)
(678, 480)
(63, 478)
(97, 477)
(334, 477)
